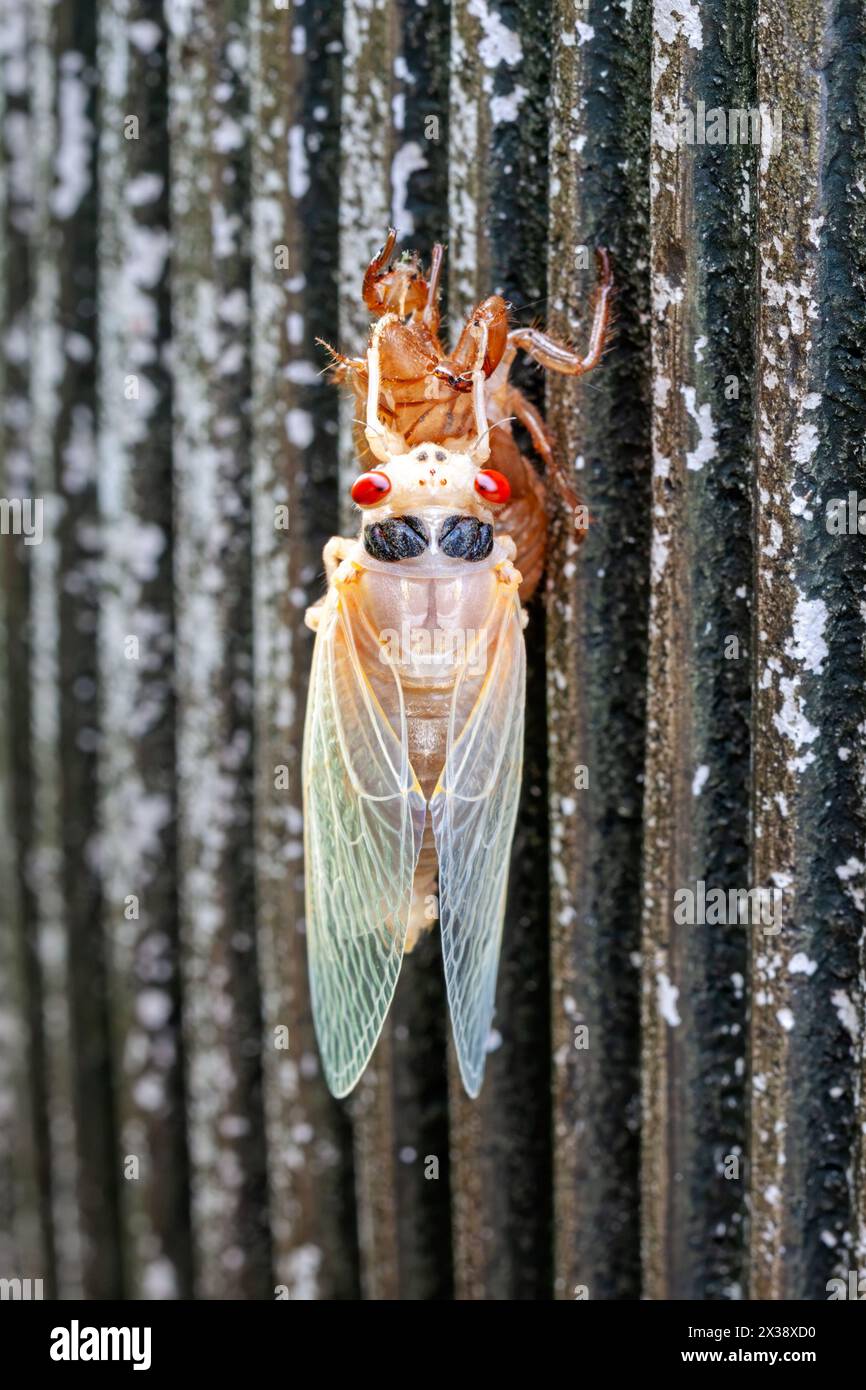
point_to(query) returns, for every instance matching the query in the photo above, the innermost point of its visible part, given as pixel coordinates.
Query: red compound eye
(370, 488)
(492, 486)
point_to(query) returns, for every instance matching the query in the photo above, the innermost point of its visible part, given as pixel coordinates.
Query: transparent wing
(473, 810)
(363, 821)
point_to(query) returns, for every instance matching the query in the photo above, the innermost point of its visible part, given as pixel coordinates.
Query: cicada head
(432, 476)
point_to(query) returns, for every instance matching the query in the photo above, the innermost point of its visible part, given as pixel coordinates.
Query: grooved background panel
(190, 191)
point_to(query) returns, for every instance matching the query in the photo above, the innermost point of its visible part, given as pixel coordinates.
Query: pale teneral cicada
(414, 731)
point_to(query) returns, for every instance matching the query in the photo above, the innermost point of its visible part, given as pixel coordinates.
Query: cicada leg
(340, 365)
(374, 272)
(542, 442)
(335, 552)
(558, 357)
(384, 443)
(488, 324)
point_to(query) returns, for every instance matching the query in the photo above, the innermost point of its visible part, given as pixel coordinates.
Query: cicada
(413, 743)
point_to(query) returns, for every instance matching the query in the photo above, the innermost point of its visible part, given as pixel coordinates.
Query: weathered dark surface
(63, 863)
(597, 616)
(697, 755)
(138, 780)
(26, 1238)
(807, 1020)
(501, 1142)
(293, 298)
(696, 705)
(210, 171)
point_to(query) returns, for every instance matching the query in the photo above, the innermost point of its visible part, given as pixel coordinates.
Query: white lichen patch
(808, 645)
(705, 449)
(667, 995)
(674, 19)
(700, 779)
(408, 160)
(847, 1013)
(800, 964)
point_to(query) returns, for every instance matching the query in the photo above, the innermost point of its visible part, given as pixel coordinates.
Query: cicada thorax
(427, 615)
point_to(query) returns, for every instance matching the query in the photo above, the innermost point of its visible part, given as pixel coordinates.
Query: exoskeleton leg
(375, 270)
(480, 449)
(542, 442)
(335, 552)
(340, 364)
(487, 324)
(384, 443)
(430, 314)
(556, 356)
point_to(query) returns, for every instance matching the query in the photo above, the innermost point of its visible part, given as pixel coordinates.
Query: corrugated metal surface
(188, 196)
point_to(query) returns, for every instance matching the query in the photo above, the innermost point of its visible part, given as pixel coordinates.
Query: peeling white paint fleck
(667, 995)
(700, 778)
(792, 723)
(299, 169)
(703, 418)
(74, 138)
(499, 44)
(805, 442)
(675, 18)
(800, 964)
(808, 645)
(408, 160)
(506, 107)
(847, 1013)
(659, 552)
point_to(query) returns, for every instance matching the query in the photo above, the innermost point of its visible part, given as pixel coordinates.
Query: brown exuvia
(425, 389)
